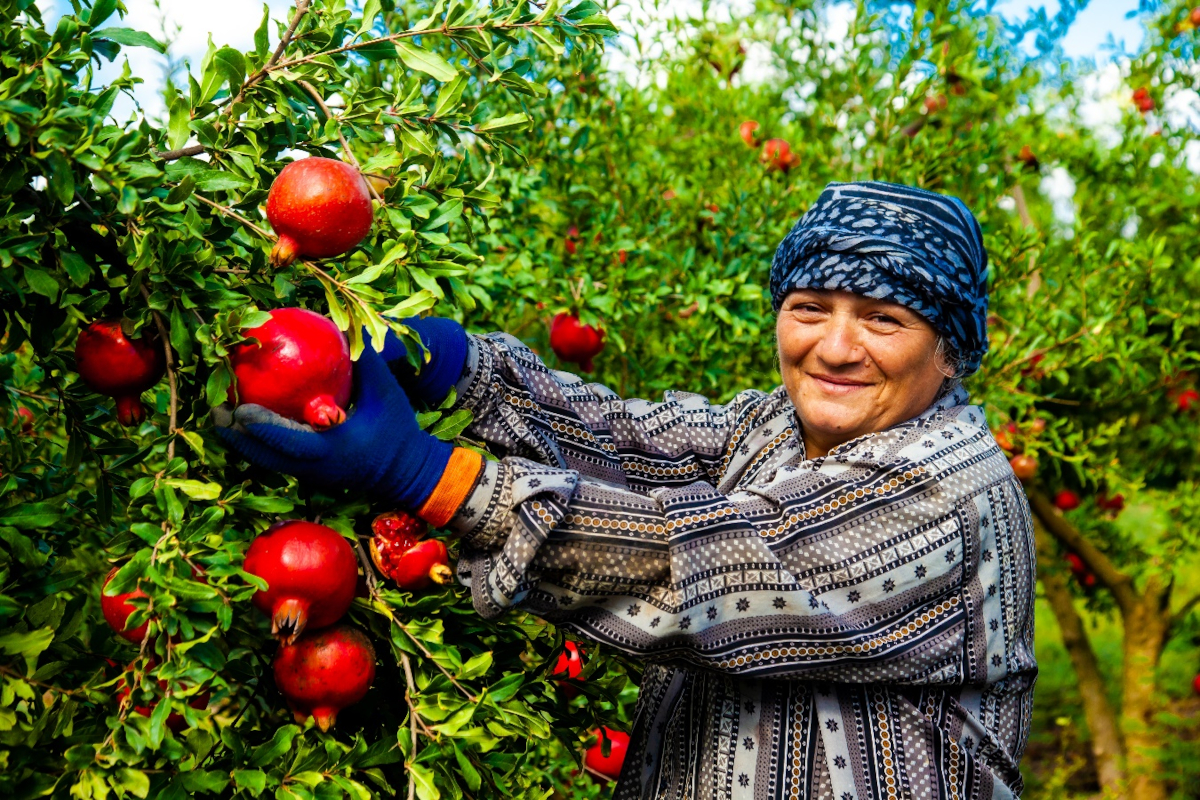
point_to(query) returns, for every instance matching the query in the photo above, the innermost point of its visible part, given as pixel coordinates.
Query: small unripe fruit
(311, 573)
(324, 672)
(1024, 467)
(607, 766)
(748, 130)
(1066, 500)
(319, 207)
(299, 367)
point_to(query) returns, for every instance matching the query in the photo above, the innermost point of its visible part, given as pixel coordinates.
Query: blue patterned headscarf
(914, 247)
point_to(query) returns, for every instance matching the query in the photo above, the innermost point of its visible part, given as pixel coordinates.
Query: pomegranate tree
(401, 552)
(113, 364)
(311, 574)
(175, 721)
(575, 342)
(325, 671)
(299, 367)
(319, 207)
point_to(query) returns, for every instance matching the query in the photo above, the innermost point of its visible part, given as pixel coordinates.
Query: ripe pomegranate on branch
(575, 342)
(324, 672)
(113, 364)
(320, 208)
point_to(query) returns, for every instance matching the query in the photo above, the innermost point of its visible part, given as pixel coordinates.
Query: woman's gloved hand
(379, 447)
(446, 342)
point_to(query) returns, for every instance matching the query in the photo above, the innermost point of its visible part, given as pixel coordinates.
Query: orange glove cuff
(456, 483)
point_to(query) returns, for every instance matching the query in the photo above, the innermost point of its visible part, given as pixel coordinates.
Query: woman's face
(853, 365)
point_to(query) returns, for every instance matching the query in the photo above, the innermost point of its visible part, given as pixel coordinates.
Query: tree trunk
(1101, 718)
(1146, 625)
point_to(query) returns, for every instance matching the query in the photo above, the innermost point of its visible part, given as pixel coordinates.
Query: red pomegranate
(748, 130)
(324, 672)
(1024, 467)
(1112, 503)
(1184, 401)
(777, 155)
(320, 208)
(1196, 684)
(402, 554)
(571, 243)
(113, 364)
(568, 665)
(23, 420)
(311, 573)
(607, 766)
(117, 608)
(300, 367)
(1194, 18)
(573, 341)
(1076, 564)
(1066, 500)
(175, 721)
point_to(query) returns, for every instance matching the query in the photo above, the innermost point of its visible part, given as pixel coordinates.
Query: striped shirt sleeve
(523, 408)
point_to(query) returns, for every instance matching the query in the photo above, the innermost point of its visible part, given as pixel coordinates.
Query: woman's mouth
(831, 384)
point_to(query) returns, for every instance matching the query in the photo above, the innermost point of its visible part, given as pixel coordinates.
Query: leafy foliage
(488, 131)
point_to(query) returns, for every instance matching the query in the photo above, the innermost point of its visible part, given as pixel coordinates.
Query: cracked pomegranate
(111, 363)
(607, 766)
(300, 367)
(311, 574)
(319, 207)
(324, 672)
(777, 155)
(400, 551)
(575, 342)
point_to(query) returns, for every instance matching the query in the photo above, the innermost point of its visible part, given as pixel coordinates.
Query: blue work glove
(378, 449)
(446, 342)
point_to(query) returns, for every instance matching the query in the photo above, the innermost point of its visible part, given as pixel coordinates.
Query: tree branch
(1184, 610)
(301, 8)
(172, 155)
(409, 686)
(1117, 582)
(165, 335)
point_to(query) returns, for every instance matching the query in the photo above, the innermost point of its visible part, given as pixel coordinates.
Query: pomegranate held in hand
(324, 672)
(311, 573)
(573, 341)
(117, 608)
(175, 720)
(1066, 500)
(568, 665)
(112, 364)
(320, 207)
(299, 368)
(401, 553)
(608, 766)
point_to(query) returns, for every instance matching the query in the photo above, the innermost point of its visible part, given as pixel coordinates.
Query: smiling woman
(831, 583)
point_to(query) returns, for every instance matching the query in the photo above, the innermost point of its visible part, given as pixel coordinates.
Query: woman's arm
(919, 573)
(555, 418)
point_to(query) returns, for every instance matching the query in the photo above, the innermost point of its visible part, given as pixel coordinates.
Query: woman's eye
(885, 319)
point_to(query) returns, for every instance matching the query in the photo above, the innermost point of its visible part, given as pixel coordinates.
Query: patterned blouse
(849, 627)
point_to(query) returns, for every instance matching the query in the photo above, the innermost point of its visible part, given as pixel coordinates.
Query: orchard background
(490, 131)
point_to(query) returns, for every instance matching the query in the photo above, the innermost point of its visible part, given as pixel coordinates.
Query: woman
(832, 583)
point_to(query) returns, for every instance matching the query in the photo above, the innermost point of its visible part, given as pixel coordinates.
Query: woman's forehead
(842, 296)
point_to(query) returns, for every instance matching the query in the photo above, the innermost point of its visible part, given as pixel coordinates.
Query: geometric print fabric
(854, 626)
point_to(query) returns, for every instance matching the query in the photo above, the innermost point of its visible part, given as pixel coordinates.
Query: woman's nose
(839, 343)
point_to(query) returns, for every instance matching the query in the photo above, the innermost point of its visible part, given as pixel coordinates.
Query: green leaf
(505, 124)
(131, 38)
(178, 130)
(266, 505)
(216, 390)
(60, 177)
(426, 61)
(232, 66)
(31, 515)
(41, 282)
(467, 771)
(101, 10)
(280, 743)
(423, 778)
(28, 644)
(197, 490)
(254, 780)
(371, 10)
(133, 781)
(262, 37)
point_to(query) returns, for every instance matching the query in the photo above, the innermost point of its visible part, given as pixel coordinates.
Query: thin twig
(172, 155)
(165, 335)
(301, 8)
(320, 101)
(44, 398)
(52, 688)
(410, 684)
